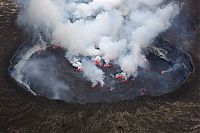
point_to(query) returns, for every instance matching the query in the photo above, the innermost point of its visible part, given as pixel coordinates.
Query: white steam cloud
(93, 73)
(115, 30)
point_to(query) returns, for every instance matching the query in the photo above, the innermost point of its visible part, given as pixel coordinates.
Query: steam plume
(116, 30)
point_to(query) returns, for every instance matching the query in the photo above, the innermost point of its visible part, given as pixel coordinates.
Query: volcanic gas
(99, 50)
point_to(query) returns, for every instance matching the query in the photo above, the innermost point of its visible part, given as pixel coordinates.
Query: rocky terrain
(22, 112)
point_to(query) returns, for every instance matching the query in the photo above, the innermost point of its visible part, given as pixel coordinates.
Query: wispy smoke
(50, 84)
(116, 30)
(93, 73)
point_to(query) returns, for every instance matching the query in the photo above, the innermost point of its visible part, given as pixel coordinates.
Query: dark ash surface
(22, 112)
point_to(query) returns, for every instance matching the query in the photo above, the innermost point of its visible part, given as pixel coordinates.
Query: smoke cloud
(114, 30)
(93, 73)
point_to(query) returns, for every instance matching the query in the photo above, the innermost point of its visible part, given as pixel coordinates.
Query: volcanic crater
(47, 72)
(174, 112)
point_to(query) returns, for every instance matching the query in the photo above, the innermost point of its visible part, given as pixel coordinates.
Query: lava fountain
(99, 51)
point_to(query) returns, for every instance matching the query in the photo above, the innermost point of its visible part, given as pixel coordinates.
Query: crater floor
(48, 73)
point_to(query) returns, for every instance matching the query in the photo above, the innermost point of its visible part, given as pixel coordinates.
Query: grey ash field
(178, 111)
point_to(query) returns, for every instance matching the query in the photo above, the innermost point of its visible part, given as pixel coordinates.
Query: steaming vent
(99, 51)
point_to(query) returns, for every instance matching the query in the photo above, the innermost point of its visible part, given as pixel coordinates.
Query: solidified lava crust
(48, 73)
